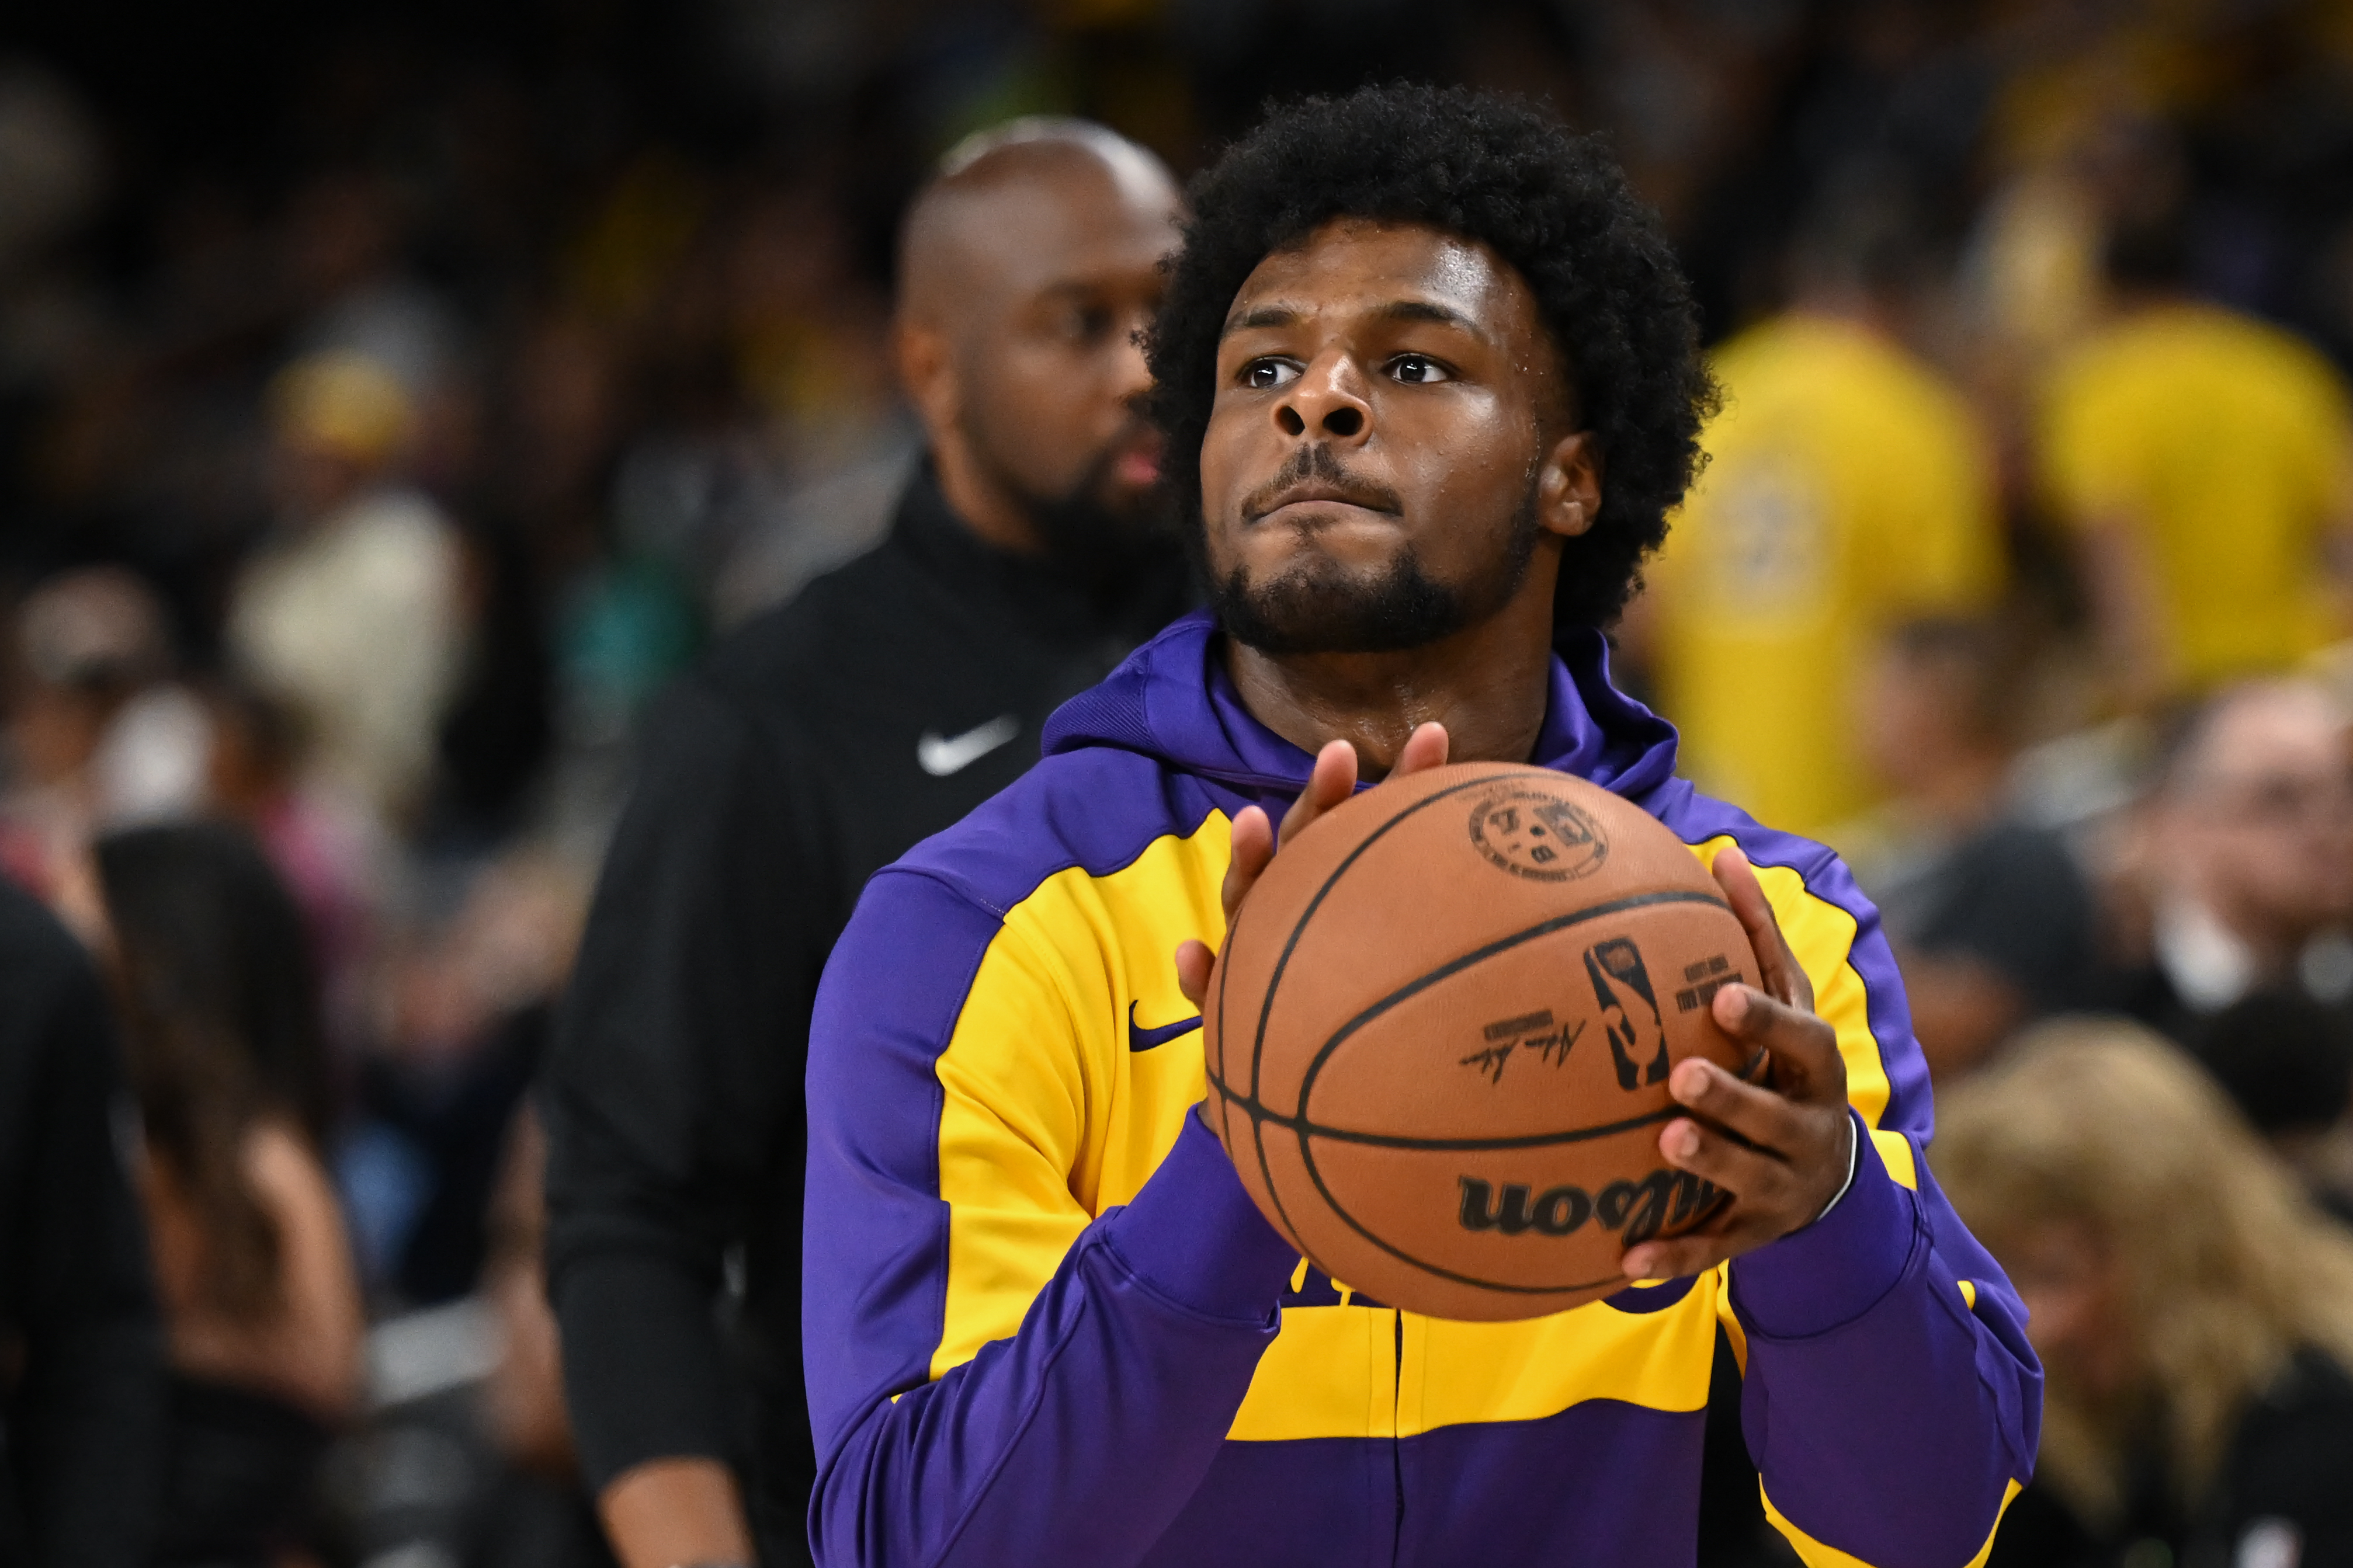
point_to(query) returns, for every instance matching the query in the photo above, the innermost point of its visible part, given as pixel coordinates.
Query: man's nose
(1329, 399)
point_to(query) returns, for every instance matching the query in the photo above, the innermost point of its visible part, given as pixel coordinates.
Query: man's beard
(1089, 538)
(1318, 607)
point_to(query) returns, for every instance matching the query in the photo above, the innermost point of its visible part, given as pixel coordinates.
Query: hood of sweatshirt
(1173, 702)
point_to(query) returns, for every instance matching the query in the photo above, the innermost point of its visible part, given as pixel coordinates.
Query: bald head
(1028, 267)
(1023, 192)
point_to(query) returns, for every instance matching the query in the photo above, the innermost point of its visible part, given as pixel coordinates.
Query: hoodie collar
(1173, 700)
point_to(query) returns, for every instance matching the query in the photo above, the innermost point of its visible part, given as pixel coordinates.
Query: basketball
(1439, 1035)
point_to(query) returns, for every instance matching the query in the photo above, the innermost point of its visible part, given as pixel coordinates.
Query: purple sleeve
(1887, 1409)
(1079, 1440)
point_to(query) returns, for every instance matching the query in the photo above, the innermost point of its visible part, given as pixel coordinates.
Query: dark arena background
(2022, 573)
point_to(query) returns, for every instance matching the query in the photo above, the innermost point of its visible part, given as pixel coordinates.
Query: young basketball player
(1430, 386)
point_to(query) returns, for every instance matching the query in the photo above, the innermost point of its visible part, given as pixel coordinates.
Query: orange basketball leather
(1439, 1036)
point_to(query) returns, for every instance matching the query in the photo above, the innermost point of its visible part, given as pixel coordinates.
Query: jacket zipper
(1397, 1440)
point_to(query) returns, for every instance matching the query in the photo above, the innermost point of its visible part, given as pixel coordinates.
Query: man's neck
(1488, 685)
(984, 506)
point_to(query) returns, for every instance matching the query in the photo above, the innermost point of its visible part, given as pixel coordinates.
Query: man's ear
(927, 375)
(1569, 485)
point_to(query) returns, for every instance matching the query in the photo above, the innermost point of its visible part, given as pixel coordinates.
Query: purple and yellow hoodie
(1044, 1325)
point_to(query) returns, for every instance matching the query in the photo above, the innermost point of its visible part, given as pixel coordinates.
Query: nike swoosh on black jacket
(771, 783)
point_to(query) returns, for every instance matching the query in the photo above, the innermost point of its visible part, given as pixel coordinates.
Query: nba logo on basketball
(1629, 1008)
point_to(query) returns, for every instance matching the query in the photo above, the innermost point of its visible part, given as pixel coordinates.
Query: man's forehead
(1359, 267)
(1036, 216)
(2262, 731)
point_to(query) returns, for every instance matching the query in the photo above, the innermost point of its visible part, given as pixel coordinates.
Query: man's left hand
(1782, 1148)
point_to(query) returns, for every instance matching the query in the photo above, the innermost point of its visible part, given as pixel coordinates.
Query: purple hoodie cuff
(1831, 1272)
(1194, 1236)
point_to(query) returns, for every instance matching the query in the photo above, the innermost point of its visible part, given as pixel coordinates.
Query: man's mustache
(1316, 466)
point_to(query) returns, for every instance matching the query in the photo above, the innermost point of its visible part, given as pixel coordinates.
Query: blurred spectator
(81, 1388)
(1847, 487)
(2244, 861)
(2287, 1061)
(2203, 461)
(344, 267)
(2193, 1310)
(464, 1013)
(332, 854)
(819, 743)
(352, 614)
(546, 1522)
(262, 1303)
(97, 735)
(1992, 920)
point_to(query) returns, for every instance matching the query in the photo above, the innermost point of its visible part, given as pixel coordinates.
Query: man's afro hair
(1502, 172)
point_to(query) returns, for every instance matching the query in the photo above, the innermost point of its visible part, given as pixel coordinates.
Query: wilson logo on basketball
(1536, 835)
(1641, 1208)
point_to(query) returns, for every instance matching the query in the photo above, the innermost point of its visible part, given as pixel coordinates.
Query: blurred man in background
(81, 1374)
(1992, 919)
(98, 731)
(352, 616)
(2245, 862)
(1847, 487)
(816, 744)
(2203, 462)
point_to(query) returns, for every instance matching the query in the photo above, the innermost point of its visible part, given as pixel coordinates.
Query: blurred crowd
(383, 420)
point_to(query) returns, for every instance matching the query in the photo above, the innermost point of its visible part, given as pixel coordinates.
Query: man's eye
(1418, 370)
(1089, 323)
(1261, 374)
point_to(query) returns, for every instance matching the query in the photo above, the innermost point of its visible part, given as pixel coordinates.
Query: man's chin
(1326, 613)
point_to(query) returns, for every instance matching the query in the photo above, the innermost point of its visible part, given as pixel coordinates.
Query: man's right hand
(1332, 781)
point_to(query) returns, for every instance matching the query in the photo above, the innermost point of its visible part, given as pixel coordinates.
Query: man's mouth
(1365, 499)
(1136, 464)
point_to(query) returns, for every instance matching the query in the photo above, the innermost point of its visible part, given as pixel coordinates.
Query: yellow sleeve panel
(1047, 1118)
(1816, 1555)
(1823, 935)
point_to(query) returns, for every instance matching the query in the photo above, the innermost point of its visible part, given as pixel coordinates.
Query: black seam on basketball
(1308, 1131)
(1259, 1114)
(1274, 982)
(1257, 1126)
(1290, 942)
(1480, 955)
(1296, 1125)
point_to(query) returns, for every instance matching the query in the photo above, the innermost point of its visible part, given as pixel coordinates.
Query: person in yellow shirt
(1848, 488)
(2203, 461)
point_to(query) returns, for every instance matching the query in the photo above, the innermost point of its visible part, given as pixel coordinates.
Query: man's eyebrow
(1424, 311)
(1262, 316)
(1394, 311)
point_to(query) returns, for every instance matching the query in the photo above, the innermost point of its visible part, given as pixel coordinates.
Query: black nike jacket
(815, 745)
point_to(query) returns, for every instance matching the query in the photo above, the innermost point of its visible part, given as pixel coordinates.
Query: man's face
(1051, 378)
(1386, 398)
(2260, 825)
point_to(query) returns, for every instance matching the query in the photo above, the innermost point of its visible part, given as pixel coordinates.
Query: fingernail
(1690, 1080)
(1637, 1263)
(1683, 1140)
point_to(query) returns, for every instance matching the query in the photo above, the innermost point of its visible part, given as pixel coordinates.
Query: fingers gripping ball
(1439, 1032)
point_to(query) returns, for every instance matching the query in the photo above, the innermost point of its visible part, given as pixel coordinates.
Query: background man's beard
(1084, 531)
(1093, 539)
(1318, 608)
